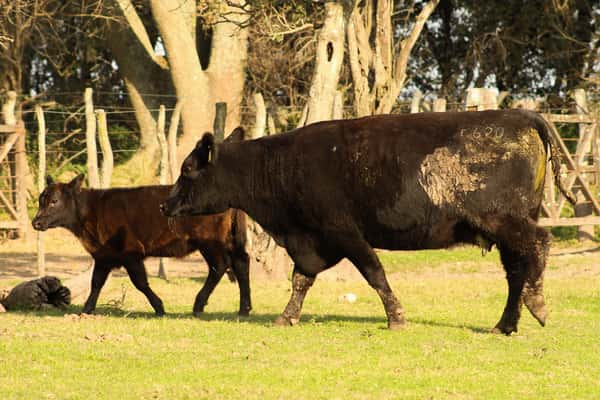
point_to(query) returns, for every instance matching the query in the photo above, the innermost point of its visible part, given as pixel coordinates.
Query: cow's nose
(37, 225)
(162, 208)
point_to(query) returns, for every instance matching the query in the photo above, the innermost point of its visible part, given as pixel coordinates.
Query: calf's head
(57, 204)
(200, 188)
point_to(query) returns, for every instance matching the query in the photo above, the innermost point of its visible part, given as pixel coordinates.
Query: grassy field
(339, 351)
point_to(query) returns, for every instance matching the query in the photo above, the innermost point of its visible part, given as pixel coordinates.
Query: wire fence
(66, 137)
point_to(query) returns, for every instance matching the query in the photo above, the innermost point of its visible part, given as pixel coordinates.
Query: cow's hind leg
(364, 258)
(523, 248)
(216, 269)
(240, 262)
(137, 273)
(99, 276)
(533, 292)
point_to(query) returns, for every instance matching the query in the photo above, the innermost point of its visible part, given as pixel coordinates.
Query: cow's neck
(247, 185)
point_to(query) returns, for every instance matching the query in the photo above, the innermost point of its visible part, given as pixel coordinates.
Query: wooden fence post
(172, 141)
(583, 208)
(439, 105)
(416, 102)
(219, 122)
(25, 230)
(163, 263)
(39, 113)
(338, 105)
(479, 99)
(107, 154)
(90, 140)
(261, 116)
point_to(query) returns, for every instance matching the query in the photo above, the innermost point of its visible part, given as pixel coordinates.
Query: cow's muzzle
(39, 225)
(167, 209)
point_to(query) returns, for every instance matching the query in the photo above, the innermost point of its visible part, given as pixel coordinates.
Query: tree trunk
(191, 82)
(227, 64)
(330, 54)
(380, 61)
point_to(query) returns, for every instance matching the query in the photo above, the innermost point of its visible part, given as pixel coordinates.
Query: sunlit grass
(340, 350)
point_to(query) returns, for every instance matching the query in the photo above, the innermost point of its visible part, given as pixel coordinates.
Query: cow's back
(391, 175)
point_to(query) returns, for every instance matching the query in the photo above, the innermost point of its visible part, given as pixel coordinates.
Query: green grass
(339, 350)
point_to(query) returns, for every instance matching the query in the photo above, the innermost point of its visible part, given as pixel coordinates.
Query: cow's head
(198, 190)
(57, 204)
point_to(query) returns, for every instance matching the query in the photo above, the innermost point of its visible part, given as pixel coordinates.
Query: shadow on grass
(582, 251)
(472, 328)
(254, 318)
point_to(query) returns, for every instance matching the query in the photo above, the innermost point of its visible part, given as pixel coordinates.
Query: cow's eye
(187, 169)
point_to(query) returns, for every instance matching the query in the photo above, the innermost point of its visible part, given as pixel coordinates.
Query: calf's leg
(216, 268)
(139, 278)
(99, 276)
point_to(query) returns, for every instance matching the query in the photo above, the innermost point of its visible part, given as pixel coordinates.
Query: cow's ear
(206, 148)
(76, 183)
(49, 180)
(237, 135)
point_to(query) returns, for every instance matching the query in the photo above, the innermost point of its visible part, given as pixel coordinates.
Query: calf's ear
(76, 183)
(237, 135)
(49, 180)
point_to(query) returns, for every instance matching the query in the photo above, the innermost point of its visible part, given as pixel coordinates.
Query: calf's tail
(550, 142)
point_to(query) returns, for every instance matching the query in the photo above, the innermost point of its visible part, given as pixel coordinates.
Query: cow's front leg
(364, 258)
(99, 276)
(300, 285)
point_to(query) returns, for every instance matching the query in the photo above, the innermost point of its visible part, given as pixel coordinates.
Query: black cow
(123, 226)
(339, 189)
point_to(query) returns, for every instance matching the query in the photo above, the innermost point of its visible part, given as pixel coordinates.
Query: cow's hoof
(396, 325)
(504, 329)
(285, 321)
(159, 314)
(244, 313)
(537, 308)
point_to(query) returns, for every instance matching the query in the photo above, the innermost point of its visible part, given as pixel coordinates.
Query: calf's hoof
(285, 321)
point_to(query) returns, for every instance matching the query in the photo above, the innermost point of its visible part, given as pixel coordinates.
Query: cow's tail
(239, 231)
(240, 238)
(550, 142)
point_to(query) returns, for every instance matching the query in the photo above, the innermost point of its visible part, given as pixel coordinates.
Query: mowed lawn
(340, 350)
